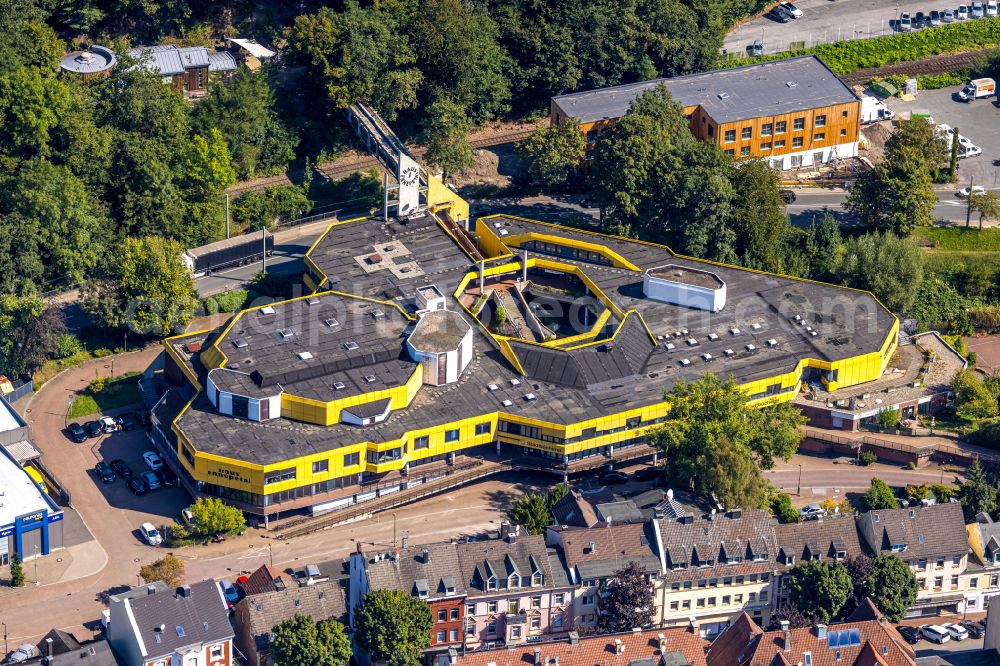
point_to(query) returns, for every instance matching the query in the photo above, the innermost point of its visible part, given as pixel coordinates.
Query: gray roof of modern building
(221, 61)
(622, 511)
(90, 61)
(727, 95)
(439, 331)
(170, 60)
(525, 556)
(92, 653)
(821, 539)
(139, 591)
(198, 615)
(320, 601)
(923, 531)
(429, 571)
(629, 372)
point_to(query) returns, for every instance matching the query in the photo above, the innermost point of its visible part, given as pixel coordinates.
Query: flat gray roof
(727, 95)
(93, 60)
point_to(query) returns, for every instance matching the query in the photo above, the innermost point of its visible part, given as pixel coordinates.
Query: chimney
(452, 656)
(735, 514)
(821, 631)
(150, 589)
(406, 539)
(785, 629)
(426, 556)
(184, 591)
(670, 493)
(593, 546)
(538, 656)
(619, 647)
(574, 638)
(662, 640)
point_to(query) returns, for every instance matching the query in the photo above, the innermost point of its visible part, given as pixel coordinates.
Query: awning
(939, 600)
(23, 451)
(252, 47)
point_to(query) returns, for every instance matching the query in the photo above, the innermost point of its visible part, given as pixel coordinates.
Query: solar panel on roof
(377, 314)
(369, 378)
(855, 638)
(492, 387)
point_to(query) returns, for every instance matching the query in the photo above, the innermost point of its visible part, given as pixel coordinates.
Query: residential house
(186, 627)
(256, 615)
(933, 541)
(188, 69)
(59, 648)
(829, 539)
(657, 647)
(594, 555)
(983, 571)
(864, 639)
(574, 510)
(430, 572)
(517, 588)
(266, 579)
(714, 566)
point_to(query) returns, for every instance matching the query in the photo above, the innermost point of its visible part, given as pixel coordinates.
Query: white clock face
(408, 176)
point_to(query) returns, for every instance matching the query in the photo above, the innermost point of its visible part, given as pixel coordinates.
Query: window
(779, 143)
(536, 623)
(730, 152)
(738, 599)
(711, 130)
(454, 613)
(954, 581)
(482, 428)
(557, 621)
(747, 133)
(701, 603)
(702, 583)
(957, 560)
(726, 600)
(441, 636)
(321, 466)
(442, 615)
(536, 601)
(797, 142)
(280, 475)
(730, 136)
(922, 564)
(513, 607)
(453, 635)
(938, 582)
(843, 114)
(673, 605)
(780, 127)
(352, 459)
(558, 599)
(686, 604)
(687, 585)
(745, 151)
(491, 629)
(973, 583)
(820, 121)
(216, 651)
(766, 129)
(421, 443)
(711, 601)
(514, 581)
(588, 600)
(515, 632)
(994, 579)
(491, 607)
(765, 145)
(536, 579)
(843, 132)
(451, 436)
(939, 564)
(470, 609)
(799, 124)
(819, 136)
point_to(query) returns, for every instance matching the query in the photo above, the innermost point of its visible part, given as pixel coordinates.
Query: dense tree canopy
(629, 600)
(299, 641)
(878, 496)
(892, 586)
(819, 590)
(863, 266)
(393, 626)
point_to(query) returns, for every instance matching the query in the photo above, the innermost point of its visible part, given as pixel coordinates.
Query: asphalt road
(828, 21)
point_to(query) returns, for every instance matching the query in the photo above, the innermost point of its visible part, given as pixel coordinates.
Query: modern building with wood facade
(188, 69)
(793, 112)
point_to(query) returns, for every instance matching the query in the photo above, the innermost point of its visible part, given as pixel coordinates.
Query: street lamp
(5, 650)
(36, 565)
(798, 490)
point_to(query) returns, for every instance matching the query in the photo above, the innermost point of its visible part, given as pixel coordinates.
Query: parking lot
(976, 120)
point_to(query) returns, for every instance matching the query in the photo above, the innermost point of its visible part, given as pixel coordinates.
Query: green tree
(894, 197)
(299, 641)
(533, 512)
(393, 626)
(212, 516)
(862, 266)
(16, 570)
(554, 154)
(758, 218)
(977, 493)
(169, 569)
(446, 136)
(987, 204)
(917, 139)
(33, 103)
(973, 398)
(207, 165)
(878, 496)
(818, 589)
(30, 332)
(892, 586)
(710, 426)
(262, 209)
(781, 507)
(629, 601)
(860, 569)
(144, 287)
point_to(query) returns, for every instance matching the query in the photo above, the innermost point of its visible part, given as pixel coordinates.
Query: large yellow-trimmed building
(546, 341)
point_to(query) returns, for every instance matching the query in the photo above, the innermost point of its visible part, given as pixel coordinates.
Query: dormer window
(536, 579)
(491, 583)
(898, 547)
(790, 559)
(514, 581)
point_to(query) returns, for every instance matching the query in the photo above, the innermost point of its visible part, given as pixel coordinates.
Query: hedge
(846, 57)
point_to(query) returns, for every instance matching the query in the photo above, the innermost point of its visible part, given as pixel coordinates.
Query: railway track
(933, 65)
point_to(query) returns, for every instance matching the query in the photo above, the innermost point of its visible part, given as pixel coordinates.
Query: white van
(874, 110)
(150, 534)
(935, 634)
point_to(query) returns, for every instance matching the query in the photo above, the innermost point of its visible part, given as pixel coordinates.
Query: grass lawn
(115, 394)
(959, 239)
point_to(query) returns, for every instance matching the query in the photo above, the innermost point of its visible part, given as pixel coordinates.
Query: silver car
(978, 10)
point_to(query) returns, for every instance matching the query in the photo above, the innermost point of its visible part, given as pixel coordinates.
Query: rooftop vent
(506, 403)
(707, 356)
(515, 382)
(377, 314)
(285, 333)
(791, 84)
(267, 310)
(692, 341)
(755, 326)
(685, 362)
(332, 322)
(369, 378)
(338, 386)
(723, 95)
(351, 345)
(734, 331)
(529, 397)
(671, 345)
(240, 343)
(492, 387)
(772, 343)
(813, 334)
(304, 355)
(713, 336)
(751, 347)
(729, 352)
(313, 300)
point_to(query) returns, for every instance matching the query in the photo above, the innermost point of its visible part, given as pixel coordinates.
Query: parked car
(780, 15)
(757, 48)
(104, 472)
(919, 20)
(109, 425)
(141, 417)
(934, 19)
(957, 631)
(934, 633)
(77, 433)
(647, 473)
(166, 476)
(910, 634)
(948, 16)
(93, 428)
(153, 460)
(151, 480)
(188, 518)
(126, 422)
(137, 486)
(230, 592)
(23, 653)
(788, 196)
(121, 469)
(991, 8)
(150, 534)
(904, 23)
(962, 13)
(612, 478)
(975, 629)
(976, 189)
(791, 9)
(969, 150)
(977, 10)
(812, 511)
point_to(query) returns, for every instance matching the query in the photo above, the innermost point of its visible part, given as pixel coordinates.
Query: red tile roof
(597, 650)
(263, 580)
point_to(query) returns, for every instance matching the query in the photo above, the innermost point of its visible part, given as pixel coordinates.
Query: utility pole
(968, 199)
(227, 214)
(263, 254)
(798, 490)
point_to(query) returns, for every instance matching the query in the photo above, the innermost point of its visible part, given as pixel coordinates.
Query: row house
(983, 570)
(713, 567)
(430, 572)
(594, 555)
(187, 627)
(933, 541)
(830, 540)
(517, 590)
